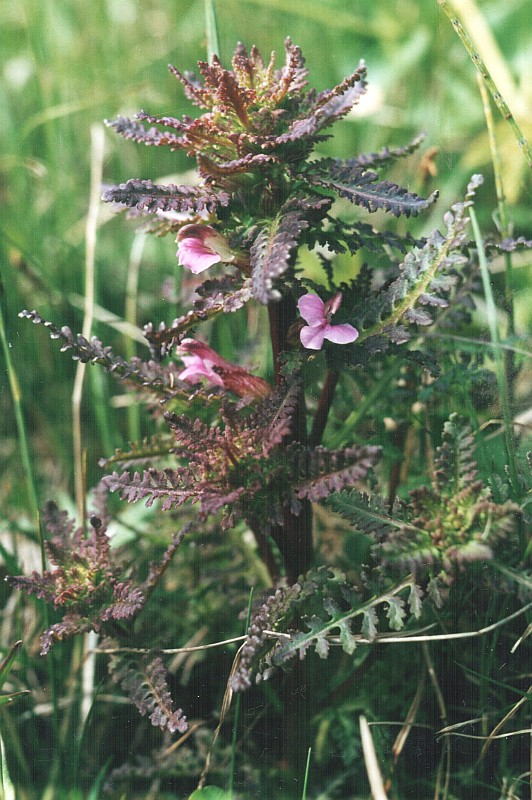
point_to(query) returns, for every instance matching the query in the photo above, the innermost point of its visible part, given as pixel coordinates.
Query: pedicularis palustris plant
(252, 456)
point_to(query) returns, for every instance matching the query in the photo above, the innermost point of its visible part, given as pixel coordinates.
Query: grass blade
(490, 83)
(500, 372)
(211, 29)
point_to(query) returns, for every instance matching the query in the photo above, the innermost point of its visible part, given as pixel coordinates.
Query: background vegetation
(68, 65)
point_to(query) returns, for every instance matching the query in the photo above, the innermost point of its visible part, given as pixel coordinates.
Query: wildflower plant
(245, 450)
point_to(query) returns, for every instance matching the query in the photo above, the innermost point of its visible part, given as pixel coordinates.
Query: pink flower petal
(312, 337)
(203, 352)
(311, 307)
(340, 334)
(192, 253)
(198, 368)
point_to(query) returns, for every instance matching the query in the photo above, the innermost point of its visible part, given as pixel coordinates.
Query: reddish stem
(294, 537)
(324, 406)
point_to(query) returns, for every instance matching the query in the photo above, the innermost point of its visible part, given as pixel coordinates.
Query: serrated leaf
(369, 623)
(347, 639)
(396, 613)
(322, 646)
(367, 514)
(362, 187)
(150, 197)
(271, 251)
(415, 600)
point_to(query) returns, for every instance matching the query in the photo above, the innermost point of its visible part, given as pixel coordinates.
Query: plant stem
(490, 83)
(504, 223)
(19, 416)
(498, 355)
(324, 406)
(130, 315)
(237, 711)
(97, 154)
(294, 537)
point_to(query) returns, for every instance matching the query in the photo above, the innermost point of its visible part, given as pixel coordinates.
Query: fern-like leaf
(150, 197)
(155, 447)
(322, 472)
(217, 297)
(330, 106)
(271, 252)
(149, 375)
(425, 276)
(386, 155)
(320, 610)
(146, 686)
(362, 188)
(366, 513)
(133, 130)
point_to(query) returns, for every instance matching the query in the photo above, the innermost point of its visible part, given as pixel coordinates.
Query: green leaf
(369, 624)
(347, 639)
(415, 600)
(7, 663)
(396, 613)
(8, 698)
(322, 646)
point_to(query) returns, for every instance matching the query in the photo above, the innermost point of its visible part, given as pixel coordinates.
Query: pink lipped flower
(201, 361)
(318, 314)
(201, 246)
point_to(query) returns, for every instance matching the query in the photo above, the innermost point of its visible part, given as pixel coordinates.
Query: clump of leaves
(88, 583)
(252, 147)
(440, 528)
(317, 611)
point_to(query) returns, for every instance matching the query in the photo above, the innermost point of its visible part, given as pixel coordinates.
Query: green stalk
(130, 314)
(211, 30)
(307, 770)
(19, 415)
(504, 223)
(500, 372)
(237, 713)
(488, 80)
(97, 155)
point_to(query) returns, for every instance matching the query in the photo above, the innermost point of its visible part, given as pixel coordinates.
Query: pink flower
(317, 315)
(201, 363)
(201, 246)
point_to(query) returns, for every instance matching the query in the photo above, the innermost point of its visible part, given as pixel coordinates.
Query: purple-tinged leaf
(362, 188)
(131, 129)
(386, 155)
(271, 252)
(127, 601)
(330, 471)
(147, 688)
(148, 196)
